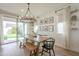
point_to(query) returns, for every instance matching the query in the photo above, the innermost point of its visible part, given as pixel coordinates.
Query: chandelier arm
(28, 6)
(28, 12)
(28, 9)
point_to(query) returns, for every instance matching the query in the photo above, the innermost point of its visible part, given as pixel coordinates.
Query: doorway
(12, 33)
(9, 32)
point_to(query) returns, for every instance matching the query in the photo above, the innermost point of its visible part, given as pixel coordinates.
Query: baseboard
(8, 43)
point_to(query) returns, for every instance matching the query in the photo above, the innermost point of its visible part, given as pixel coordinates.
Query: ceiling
(37, 9)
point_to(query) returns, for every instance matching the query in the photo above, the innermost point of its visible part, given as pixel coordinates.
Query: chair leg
(34, 52)
(42, 51)
(30, 53)
(23, 46)
(53, 52)
(49, 52)
(20, 44)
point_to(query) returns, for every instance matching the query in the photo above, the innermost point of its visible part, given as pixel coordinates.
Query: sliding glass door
(9, 31)
(12, 30)
(22, 30)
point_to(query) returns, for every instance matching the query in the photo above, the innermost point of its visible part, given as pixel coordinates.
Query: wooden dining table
(39, 39)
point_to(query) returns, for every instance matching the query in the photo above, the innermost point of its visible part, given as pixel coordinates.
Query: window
(35, 28)
(60, 28)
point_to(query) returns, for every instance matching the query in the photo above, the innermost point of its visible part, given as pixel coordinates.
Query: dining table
(38, 40)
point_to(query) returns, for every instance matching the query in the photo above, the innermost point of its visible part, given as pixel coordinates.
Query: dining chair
(48, 45)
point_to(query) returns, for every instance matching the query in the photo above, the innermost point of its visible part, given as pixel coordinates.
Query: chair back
(30, 39)
(50, 42)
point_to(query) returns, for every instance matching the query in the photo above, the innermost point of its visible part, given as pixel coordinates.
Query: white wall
(60, 39)
(70, 39)
(74, 35)
(63, 16)
(1, 30)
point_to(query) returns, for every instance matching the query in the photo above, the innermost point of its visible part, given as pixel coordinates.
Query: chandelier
(28, 15)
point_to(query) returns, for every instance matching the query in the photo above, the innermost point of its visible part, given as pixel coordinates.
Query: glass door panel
(22, 30)
(9, 31)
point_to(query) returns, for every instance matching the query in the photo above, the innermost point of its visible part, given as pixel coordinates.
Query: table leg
(37, 50)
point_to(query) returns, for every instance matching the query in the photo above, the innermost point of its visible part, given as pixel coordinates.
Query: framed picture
(45, 21)
(50, 20)
(46, 28)
(51, 28)
(45, 24)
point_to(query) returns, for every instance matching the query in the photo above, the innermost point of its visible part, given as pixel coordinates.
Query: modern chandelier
(28, 15)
